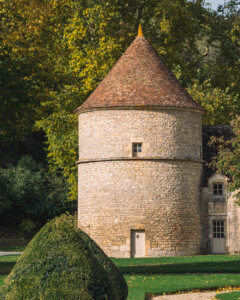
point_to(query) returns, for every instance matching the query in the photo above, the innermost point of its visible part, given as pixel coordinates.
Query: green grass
(229, 296)
(139, 285)
(174, 274)
(176, 260)
(6, 263)
(9, 258)
(158, 275)
(185, 264)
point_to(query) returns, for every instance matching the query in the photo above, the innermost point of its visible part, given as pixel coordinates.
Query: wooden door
(137, 243)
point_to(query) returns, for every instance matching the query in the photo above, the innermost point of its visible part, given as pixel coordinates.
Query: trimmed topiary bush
(62, 262)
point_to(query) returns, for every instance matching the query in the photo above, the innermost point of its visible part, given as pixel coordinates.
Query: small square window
(136, 148)
(217, 189)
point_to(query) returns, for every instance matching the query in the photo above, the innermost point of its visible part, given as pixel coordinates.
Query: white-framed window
(218, 229)
(217, 189)
(136, 149)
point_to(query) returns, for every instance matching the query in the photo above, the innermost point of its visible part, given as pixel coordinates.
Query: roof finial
(140, 32)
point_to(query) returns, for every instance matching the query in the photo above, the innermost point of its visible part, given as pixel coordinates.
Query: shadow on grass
(219, 266)
(201, 267)
(6, 267)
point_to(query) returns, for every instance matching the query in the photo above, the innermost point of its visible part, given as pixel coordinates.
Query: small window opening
(217, 189)
(136, 149)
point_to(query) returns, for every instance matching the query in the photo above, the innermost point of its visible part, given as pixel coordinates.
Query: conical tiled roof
(139, 79)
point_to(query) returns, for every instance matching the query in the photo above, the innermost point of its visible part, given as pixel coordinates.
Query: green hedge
(62, 262)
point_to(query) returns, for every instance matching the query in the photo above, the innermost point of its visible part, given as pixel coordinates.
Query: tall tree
(221, 106)
(222, 39)
(64, 48)
(228, 159)
(96, 37)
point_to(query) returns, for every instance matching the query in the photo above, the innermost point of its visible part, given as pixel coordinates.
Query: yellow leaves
(165, 25)
(220, 105)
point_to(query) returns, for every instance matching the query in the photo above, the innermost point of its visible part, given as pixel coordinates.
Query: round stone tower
(140, 160)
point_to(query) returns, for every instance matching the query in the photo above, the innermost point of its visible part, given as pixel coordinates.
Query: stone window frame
(219, 197)
(218, 179)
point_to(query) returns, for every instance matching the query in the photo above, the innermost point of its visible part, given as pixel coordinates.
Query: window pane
(217, 189)
(137, 147)
(220, 192)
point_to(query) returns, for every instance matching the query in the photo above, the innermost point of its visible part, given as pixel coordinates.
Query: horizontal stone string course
(82, 161)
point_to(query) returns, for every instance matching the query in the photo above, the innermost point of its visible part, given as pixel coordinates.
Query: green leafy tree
(17, 114)
(29, 191)
(228, 159)
(29, 48)
(222, 40)
(96, 36)
(221, 106)
(64, 48)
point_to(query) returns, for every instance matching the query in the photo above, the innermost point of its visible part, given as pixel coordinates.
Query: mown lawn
(6, 263)
(184, 264)
(174, 274)
(229, 296)
(168, 274)
(139, 285)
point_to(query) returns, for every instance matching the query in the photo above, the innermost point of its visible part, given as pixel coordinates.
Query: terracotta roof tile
(140, 78)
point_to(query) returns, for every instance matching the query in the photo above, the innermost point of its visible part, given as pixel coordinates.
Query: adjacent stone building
(140, 165)
(220, 213)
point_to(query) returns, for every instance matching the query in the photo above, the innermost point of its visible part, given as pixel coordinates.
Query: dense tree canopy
(28, 192)
(54, 53)
(228, 159)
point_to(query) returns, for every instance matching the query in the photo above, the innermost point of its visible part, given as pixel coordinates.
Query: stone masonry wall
(205, 220)
(159, 191)
(164, 133)
(161, 197)
(233, 211)
(224, 209)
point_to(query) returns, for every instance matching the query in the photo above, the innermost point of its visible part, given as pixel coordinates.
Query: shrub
(29, 191)
(27, 227)
(117, 280)
(62, 262)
